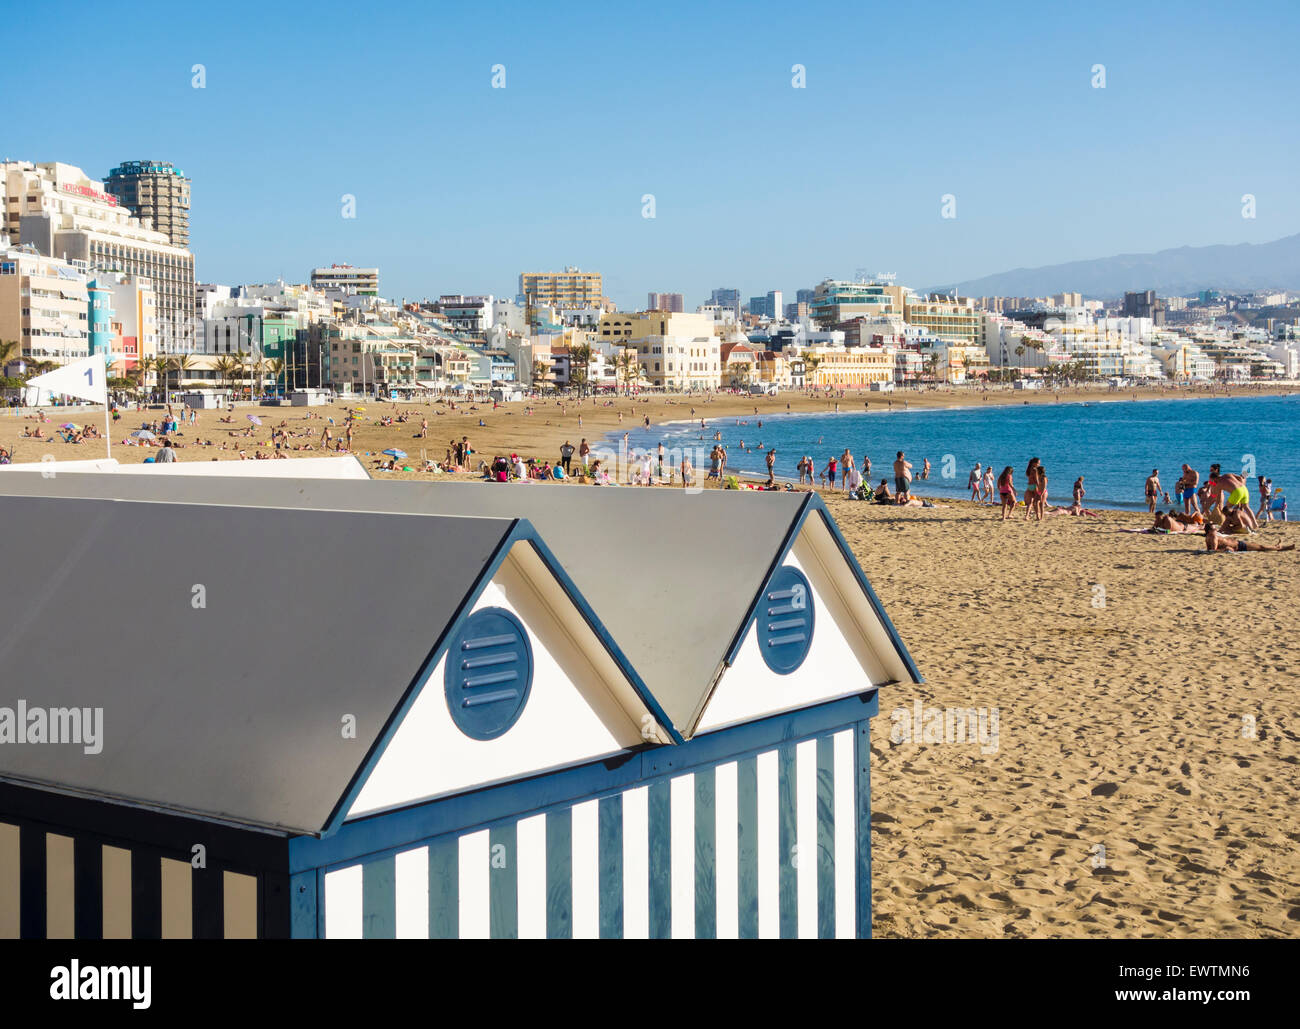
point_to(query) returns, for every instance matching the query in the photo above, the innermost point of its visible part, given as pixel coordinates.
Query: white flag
(86, 379)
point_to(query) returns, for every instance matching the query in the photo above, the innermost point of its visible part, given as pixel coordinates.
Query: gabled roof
(677, 604)
(228, 646)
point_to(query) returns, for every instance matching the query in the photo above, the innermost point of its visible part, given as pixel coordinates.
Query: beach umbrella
(399, 454)
(143, 434)
(254, 419)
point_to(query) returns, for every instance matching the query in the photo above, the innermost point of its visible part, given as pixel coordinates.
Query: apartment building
(561, 290)
(844, 367)
(343, 277)
(673, 303)
(675, 351)
(63, 213)
(43, 305)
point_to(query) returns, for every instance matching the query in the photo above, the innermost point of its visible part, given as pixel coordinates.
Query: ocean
(1113, 444)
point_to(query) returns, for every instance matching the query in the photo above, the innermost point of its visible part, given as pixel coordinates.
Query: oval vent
(785, 620)
(489, 672)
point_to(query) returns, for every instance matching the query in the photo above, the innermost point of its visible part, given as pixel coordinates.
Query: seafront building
(63, 213)
(157, 193)
(358, 281)
(43, 305)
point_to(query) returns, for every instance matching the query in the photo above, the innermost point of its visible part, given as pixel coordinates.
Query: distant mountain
(1245, 266)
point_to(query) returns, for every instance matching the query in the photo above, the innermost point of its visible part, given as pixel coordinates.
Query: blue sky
(757, 185)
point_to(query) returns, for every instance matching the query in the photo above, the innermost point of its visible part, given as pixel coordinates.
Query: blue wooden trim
(787, 810)
(786, 543)
(521, 530)
(302, 905)
(379, 899)
(660, 804)
(706, 871)
(588, 613)
(415, 687)
(480, 809)
(559, 874)
(503, 882)
(826, 837)
(609, 850)
(862, 819)
(747, 846)
(815, 503)
(444, 888)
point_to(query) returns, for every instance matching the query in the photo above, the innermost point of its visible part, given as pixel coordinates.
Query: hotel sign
(90, 194)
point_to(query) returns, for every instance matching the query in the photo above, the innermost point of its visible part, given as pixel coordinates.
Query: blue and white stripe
(765, 845)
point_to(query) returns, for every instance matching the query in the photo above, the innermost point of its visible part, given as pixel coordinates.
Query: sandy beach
(1160, 724)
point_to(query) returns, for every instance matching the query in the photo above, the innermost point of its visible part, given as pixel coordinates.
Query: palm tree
(276, 366)
(10, 350)
(182, 364)
(627, 368)
(225, 368)
(159, 365)
(580, 366)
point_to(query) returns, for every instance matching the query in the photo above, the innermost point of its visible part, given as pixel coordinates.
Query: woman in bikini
(1040, 495)
(1007, 491)
(1031, 487)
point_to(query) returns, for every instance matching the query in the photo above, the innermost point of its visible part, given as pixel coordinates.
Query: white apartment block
(63, 213)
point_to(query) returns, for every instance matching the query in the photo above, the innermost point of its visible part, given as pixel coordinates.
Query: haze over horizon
(757, 185)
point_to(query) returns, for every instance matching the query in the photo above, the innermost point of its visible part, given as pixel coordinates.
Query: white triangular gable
(580, 707)
(851, 648)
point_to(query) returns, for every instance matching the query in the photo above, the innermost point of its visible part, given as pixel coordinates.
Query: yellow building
(562, 290)
(676, 351)
(840, 367)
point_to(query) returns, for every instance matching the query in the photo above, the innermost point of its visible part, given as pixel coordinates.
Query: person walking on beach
(566, 456)
(771, 467)
(715, 463)
(902, 478)
(988, 483)
(688, 473)
(1031, 486)
(1007, 491)
(1040, 494)
(1079, 492)
(976, 474)
(1153, 489)
(583, 452)
(661, 460)
(830, 471)
(424, 428)
(1190, 480)
(1265, 499)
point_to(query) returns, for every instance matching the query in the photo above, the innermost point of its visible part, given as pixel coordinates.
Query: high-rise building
(1144, 304)
(672, 303)
(804, 296)
(769, 306)
(155, 192)
(560, 290)
(361, 281)
(726, 298)
(63, 213)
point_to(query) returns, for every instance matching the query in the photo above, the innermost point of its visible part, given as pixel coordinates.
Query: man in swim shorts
(902, 478)
(1190, 481)
(1153, 488)
(1232, 492)
(1215, 540)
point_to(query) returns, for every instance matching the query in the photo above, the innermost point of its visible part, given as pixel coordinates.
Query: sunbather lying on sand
(1215, 540)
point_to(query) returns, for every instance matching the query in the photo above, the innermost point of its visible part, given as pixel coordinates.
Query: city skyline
(1042, 166)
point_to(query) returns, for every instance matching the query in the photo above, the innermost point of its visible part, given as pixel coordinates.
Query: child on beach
(1007, 491)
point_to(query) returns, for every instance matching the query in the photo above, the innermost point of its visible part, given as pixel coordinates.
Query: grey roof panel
(233, 709)
(633, 553)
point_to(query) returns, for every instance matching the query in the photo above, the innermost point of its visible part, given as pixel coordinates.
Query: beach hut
(751, 649)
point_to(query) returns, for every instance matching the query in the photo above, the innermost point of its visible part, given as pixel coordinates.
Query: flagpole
(108, 442)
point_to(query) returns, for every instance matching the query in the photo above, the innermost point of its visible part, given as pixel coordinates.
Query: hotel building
(155, 192)
(63, 213)
(560, 290)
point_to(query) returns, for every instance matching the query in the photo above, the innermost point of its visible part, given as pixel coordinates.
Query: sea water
(1113, 444)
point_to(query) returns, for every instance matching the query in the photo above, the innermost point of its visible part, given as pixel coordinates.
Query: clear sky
(757, 185)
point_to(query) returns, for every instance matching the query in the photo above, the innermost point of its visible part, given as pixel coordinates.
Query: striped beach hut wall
(711, 781)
